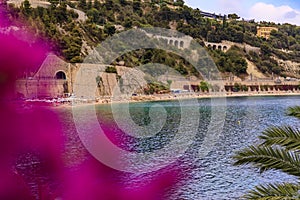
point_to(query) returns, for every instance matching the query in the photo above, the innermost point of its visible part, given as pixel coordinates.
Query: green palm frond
(285, 191)
(269, 158)
(294, 111)
(280, 151)
(287, 137)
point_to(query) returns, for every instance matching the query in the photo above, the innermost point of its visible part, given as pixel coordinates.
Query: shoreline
(172, 97)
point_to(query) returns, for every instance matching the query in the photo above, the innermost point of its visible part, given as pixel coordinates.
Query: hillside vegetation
(72, 38)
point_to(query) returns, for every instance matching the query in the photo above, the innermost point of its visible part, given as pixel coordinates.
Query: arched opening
(165, 41)
(214, 47)
(60, 75)
(181, 44)
(220, 47)
(171, 42)
(176, 43)
(209, 46)
(225, 48)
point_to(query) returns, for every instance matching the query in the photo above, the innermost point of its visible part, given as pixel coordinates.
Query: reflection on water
(212, 176)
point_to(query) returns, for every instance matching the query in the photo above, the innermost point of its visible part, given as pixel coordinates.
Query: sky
(279, 11)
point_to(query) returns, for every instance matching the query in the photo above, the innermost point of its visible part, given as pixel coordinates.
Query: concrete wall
(33, 3)
(44, 83)
(51, 65)
(40, 88)
(109, 83)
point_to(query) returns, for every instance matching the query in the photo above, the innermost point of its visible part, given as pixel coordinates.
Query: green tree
(136, 5)
(231, 61)
(169, 83)
(61, 13)
(123, 2)
(89, 5)
(97, 4)
(279, 150)
(244, 88)
(204, 86)
(127, 23)
(224, 22)
(156, 87)
(109, 29)
(181, 69)
(237, 87)
(266, 49)
(179, 3)
(111, 69)
(93, 15)
(239, 66)
(82, 4)
(26, 8)
(109, 4)
(54, 3)
(233, 16)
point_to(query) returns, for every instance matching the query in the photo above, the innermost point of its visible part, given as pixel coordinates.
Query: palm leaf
(287, 137)
(294, 111)
(285, 191)
(269, 158)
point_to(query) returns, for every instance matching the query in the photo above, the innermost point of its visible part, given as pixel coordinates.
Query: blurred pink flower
(38, 130)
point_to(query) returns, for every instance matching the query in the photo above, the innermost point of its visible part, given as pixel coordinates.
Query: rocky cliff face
(291, 68)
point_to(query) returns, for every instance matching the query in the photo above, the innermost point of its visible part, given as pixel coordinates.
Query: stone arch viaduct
(219, 46)
(179, 42)
(183, 42)
(226, 45)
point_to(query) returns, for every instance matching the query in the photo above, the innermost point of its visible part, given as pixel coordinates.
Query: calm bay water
(214, 176)
(211, 176)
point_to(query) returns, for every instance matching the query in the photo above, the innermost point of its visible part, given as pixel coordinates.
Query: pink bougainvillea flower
(23, 130)
(37, 131)
(93, 180)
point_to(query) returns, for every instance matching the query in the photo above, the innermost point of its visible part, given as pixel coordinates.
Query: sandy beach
(173, 97)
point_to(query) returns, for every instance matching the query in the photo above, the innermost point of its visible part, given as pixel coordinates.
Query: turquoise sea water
(212, 175)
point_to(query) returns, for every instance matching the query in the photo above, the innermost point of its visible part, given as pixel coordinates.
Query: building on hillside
(265, 32)
(212, 15)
